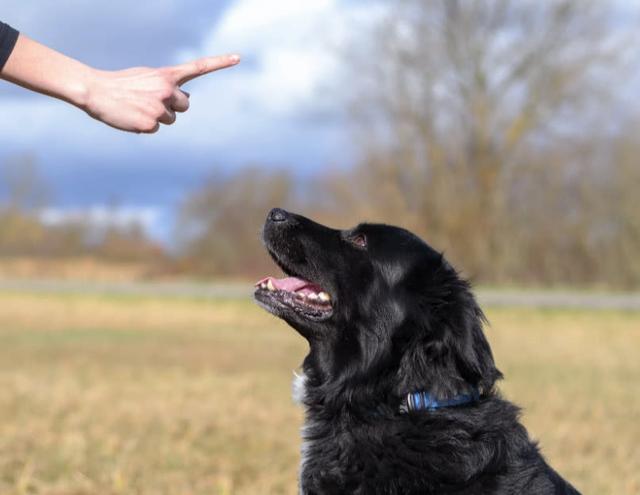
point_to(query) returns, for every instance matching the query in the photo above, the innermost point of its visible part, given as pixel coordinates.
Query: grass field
(129, 395)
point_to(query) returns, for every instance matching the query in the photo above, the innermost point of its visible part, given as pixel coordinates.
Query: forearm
(39, 68)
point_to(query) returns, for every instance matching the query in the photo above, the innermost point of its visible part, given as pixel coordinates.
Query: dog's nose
(278, 215)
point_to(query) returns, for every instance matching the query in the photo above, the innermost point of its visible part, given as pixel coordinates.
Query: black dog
(398, 385)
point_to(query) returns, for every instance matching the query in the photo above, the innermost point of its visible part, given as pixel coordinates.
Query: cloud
(277, 108)
(101, 216)
(283, 106)
(278, 95)
(269, 109)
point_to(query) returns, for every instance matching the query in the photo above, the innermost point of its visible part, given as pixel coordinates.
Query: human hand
(141, 98)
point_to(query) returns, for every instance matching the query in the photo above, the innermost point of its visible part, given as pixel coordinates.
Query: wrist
(79, 89)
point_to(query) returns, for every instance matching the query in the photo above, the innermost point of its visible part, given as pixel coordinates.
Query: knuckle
(166, 92)
(149, 126)
(200, 66)
(158, 112)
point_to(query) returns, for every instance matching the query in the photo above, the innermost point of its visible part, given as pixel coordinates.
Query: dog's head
(376, 303)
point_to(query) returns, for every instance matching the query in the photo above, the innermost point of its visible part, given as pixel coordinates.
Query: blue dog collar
(424, 401)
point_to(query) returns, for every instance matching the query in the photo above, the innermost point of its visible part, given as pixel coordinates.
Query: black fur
(402, 321)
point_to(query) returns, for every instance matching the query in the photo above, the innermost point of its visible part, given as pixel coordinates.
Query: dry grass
(73, 268)
(163, 396)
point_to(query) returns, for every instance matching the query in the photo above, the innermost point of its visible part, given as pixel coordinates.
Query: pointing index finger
(186, 72)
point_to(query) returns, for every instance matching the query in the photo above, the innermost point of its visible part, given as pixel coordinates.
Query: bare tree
(22, 186)
(459, 106)
(22, 192)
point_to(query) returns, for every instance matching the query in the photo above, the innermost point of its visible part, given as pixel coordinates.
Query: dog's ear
(463, 335)
(445, 349)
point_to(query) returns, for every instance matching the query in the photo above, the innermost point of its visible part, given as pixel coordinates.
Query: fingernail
(234, 59)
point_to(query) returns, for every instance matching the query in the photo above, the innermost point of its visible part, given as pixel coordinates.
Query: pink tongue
(290, 284)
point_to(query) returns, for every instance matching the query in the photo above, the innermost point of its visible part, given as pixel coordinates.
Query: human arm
(136, 99)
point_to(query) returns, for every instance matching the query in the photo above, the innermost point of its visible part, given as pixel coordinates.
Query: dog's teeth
(270, 285)
(263, 285)
(313, 296)
(324, 297)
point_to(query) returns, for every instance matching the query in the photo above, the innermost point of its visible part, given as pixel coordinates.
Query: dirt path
(235, 290)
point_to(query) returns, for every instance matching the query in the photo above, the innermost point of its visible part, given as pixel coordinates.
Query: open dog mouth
(302, 296)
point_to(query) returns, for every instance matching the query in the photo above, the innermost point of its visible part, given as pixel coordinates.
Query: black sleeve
(8, 38)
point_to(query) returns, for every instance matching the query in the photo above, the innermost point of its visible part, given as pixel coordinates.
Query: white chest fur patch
(298, 387)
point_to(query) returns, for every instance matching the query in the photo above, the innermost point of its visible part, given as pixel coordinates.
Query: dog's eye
(359, 240)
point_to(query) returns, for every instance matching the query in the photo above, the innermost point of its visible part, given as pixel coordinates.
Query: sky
(279, 108)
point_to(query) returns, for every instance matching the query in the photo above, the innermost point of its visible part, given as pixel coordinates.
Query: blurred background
(505, 132)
